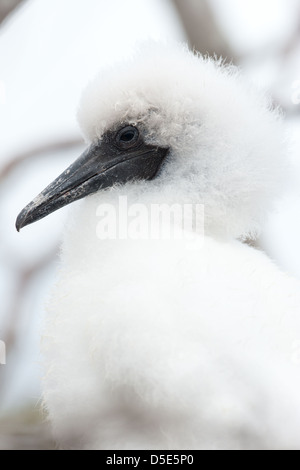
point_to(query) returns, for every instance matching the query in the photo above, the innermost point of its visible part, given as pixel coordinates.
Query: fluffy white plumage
(152, 345)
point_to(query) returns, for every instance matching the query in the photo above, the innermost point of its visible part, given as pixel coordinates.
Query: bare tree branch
(202, 29)
(24, 278)
(7, 6)
(39, 150)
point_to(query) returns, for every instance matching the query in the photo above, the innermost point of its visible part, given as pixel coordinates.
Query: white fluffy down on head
(226, 143)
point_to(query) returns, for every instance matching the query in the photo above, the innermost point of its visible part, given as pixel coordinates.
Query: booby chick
(164, 344)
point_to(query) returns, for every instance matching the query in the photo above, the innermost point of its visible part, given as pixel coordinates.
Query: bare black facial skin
(121, 156)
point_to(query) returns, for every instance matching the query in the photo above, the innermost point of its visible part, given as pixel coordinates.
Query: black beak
(111, 161)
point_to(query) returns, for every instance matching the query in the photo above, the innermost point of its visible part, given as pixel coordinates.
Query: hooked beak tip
(19, 226)
(21, 221)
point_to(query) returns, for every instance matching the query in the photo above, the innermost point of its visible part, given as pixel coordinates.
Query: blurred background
(49, 50)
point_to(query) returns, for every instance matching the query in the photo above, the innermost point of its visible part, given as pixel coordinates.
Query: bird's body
(159, 344)
(179, 343)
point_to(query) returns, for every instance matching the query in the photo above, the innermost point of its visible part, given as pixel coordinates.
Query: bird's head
(185, 126)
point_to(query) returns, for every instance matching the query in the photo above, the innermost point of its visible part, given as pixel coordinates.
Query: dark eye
(127, 137)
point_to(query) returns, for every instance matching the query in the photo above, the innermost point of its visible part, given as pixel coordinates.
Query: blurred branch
(24, 278)
(39, 150)
(202, 29)
(15, 434)
(294, 40)
(7, 6)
